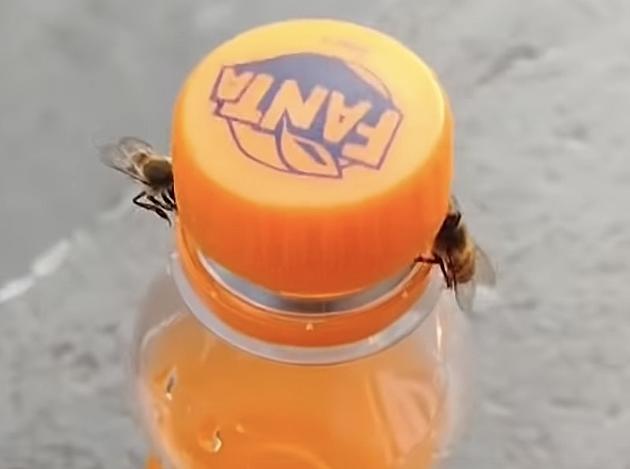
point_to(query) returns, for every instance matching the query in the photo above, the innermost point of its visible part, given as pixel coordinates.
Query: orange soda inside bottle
(312, 163)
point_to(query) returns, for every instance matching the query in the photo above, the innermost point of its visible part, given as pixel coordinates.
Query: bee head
(451, 222)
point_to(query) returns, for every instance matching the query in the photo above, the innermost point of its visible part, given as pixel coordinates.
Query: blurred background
(540, 92)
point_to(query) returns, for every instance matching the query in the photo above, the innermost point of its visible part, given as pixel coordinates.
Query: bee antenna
(458, 218)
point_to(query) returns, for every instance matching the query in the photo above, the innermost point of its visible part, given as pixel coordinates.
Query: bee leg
(158, 203)
(166, 197)
(163, 215)
(428, 260)
(153, 208)
(157, 210)
(136, 199)
(439, 261)
(450, 282)
(160, 212)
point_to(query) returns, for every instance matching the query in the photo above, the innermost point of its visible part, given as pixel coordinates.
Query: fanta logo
(307, 114)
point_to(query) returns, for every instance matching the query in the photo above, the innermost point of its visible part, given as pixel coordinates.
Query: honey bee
(138, 160)
(463, 263)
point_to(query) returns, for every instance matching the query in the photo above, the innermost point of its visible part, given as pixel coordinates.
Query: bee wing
(132, 145)
(465, 295)
(115, 156)
(484, 271)
(484, 275)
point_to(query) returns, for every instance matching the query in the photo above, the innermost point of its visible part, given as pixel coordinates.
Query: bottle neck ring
(303, 330)
(278, 302)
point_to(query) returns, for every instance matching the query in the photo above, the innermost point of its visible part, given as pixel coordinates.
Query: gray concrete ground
(540, 91)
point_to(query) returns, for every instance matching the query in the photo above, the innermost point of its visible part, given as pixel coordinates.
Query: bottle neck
(278, 302)
(303, 330)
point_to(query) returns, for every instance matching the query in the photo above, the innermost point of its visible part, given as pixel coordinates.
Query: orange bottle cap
(312, 157)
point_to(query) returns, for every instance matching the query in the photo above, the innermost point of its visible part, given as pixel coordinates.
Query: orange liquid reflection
(212, 405)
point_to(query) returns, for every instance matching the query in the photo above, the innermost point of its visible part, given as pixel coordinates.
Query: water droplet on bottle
(171, 381)
(309, 326)
(405, 294)
(212, 444)
(217, 443)
(240, 428)
(213, 294)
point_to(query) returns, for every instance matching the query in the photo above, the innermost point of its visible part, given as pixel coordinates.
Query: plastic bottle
(312, 163)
